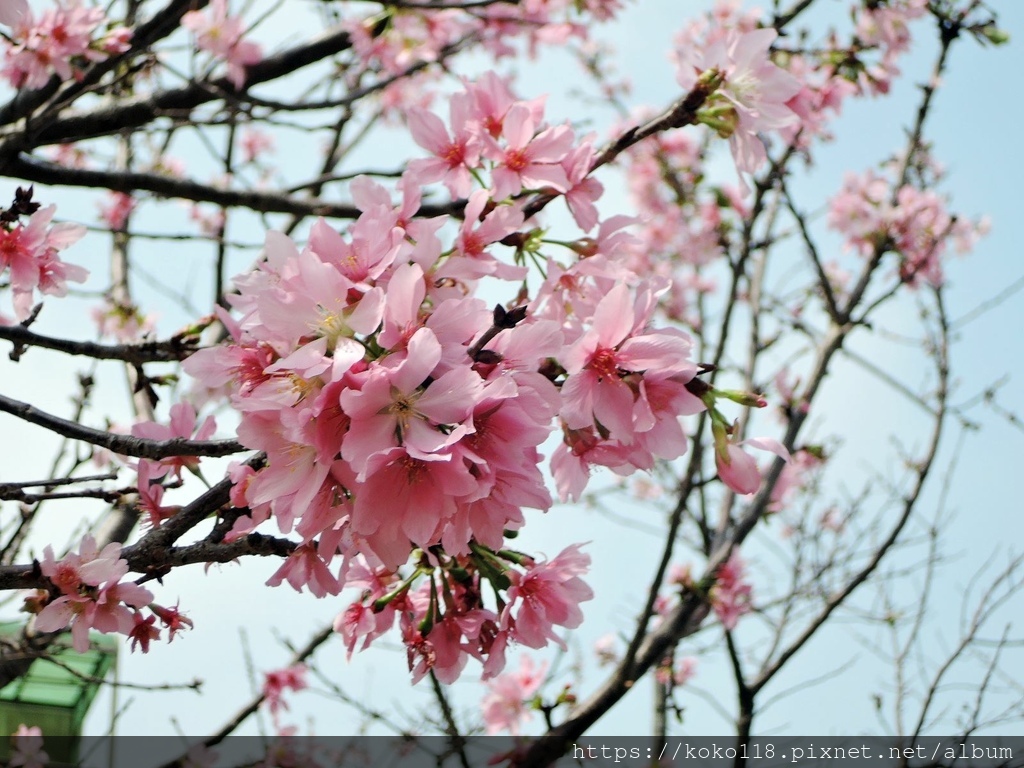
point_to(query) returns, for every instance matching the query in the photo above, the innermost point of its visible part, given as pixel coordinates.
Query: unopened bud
(995, 35)
(749, 399)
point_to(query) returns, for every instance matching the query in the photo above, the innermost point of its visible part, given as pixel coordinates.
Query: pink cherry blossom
(472, 259)
(255, 144)
(754, 90)
(731, 594)
(305, 567)
(172, 619)
(504, 707)
(143, 632)
(53, 44)
(277, 682)
(30, 252)
(738, 470)
(454, 155)
(220, 34)
(528, 159)
(116, 210)
(547, 595)
(27, 748)
(182, 424)
(127, 324)
(600, 363)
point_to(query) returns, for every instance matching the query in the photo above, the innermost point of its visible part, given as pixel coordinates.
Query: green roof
(55, 696)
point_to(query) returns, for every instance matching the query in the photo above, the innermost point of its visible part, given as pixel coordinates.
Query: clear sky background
(975, 127)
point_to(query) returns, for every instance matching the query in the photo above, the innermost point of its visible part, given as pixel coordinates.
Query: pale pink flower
(599, 364)
(276, 682)
(53, 44)
(453, 155)
(408, 499)
(752, 97)
(30, 252)
(69, 155)
(583, 190)
(220, 34)
(89, 566)
(505, 706)
(305, 567)
(392, 409)
(255, 143)
(681, 675)
(151, 493)
(27, 746)
(685, 670)
(182, 424)
(117, 40)
(738, 470)
(492, 98)
(547, 595)
(116, 210)
(472, 260)
(605, 650)
(528, 160)
(126, 323)
(105, 609)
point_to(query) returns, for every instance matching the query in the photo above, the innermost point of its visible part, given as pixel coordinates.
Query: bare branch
(126, 445)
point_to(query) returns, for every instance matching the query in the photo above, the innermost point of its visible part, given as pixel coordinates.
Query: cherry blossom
(27, 748)
(738, 469)
(55, 43)
(220, 34)
(504, 707)
(547, 595)
(527, 159)
(752, 96)
(30, 252)
(731, 594)
(454, 155)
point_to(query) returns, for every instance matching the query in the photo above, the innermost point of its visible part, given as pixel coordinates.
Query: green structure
(54, 696)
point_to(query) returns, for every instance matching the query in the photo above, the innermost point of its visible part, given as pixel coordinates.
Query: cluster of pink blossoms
(58, 43)
(402, 418)
(915, 223)
(88, 594)
(396, 39)
(30, 252)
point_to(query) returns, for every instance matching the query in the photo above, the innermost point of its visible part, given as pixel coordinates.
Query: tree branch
(126, 445)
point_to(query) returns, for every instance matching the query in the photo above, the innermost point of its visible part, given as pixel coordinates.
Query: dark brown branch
(171, 350)
(191, 515)
(129, 113)
(682, 113)
(42, 172)
(126, 445)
